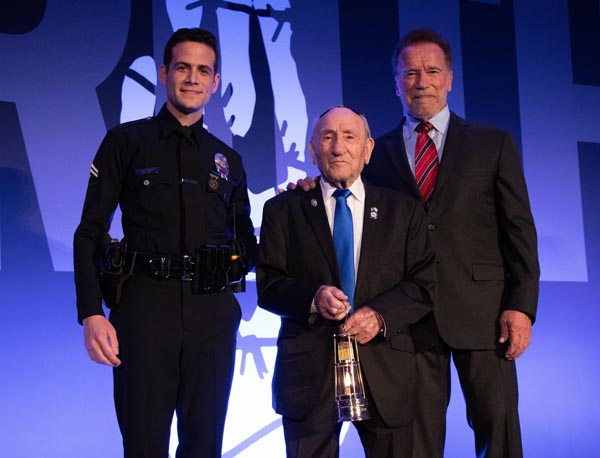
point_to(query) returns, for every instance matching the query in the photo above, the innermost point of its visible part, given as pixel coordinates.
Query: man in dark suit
(484, 238)
(298, 278)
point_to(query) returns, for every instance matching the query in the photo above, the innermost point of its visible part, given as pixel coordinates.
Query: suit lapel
(396, 149)
(314, 209)
(370, 237)
(453, 149)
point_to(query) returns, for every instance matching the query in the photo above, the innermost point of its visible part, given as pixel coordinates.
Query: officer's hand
(515, 327)
(365, 323)
(306, 184)
(331, 302)
(100, 339)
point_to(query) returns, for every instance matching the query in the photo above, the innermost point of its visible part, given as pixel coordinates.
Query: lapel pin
(374, 213)
(313, 202)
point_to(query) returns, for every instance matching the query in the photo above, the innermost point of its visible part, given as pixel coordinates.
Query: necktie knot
(341, 194)
(424, 127)
(185, 132)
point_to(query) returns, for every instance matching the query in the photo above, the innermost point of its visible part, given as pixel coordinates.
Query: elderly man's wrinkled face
(423, 80)
(340, 146)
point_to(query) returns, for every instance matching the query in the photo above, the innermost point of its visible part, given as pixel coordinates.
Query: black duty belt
(164, 267)
(212, 269)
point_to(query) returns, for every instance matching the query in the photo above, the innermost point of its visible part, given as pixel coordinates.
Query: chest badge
(222, 165)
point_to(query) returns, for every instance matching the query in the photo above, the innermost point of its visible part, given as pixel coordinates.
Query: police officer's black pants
(178, 352)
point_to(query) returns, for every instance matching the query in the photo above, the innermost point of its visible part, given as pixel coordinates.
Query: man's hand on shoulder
(515, 328)
(306, 184)
(100, 339)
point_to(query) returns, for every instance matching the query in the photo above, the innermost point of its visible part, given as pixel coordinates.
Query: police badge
(222, 165)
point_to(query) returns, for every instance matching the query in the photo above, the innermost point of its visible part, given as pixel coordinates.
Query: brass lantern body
(350, 398)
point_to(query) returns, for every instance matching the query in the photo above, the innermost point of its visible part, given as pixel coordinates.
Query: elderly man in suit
(470, 181)
(301, 277)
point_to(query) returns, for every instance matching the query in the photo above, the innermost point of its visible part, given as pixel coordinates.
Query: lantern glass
(350, 397)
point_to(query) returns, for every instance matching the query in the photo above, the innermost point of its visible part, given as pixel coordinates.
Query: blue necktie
(343, 239)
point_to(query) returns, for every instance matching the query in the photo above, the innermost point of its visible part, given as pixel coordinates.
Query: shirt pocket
(220, 188)
(157, 192)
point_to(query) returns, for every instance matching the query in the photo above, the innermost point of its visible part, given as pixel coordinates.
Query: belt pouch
(211, 268)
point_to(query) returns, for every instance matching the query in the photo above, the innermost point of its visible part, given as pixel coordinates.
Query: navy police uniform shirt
(138, 167)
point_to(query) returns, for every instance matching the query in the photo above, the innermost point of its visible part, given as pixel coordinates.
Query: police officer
(183, 195)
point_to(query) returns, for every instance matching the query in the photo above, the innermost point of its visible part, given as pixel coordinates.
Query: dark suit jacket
(395, 277)
(481, 229)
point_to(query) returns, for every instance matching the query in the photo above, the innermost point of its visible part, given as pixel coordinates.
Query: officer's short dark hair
(194, 34)
(417, 36)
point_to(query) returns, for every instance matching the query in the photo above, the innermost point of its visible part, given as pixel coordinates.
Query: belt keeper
(188, 268)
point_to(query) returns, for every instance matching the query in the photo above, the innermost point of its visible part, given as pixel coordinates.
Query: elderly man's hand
(365, 323)
(332, 303)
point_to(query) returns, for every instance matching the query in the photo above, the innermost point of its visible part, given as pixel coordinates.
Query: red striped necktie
(426, 161)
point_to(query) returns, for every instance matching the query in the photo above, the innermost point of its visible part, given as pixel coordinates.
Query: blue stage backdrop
(72, 69)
